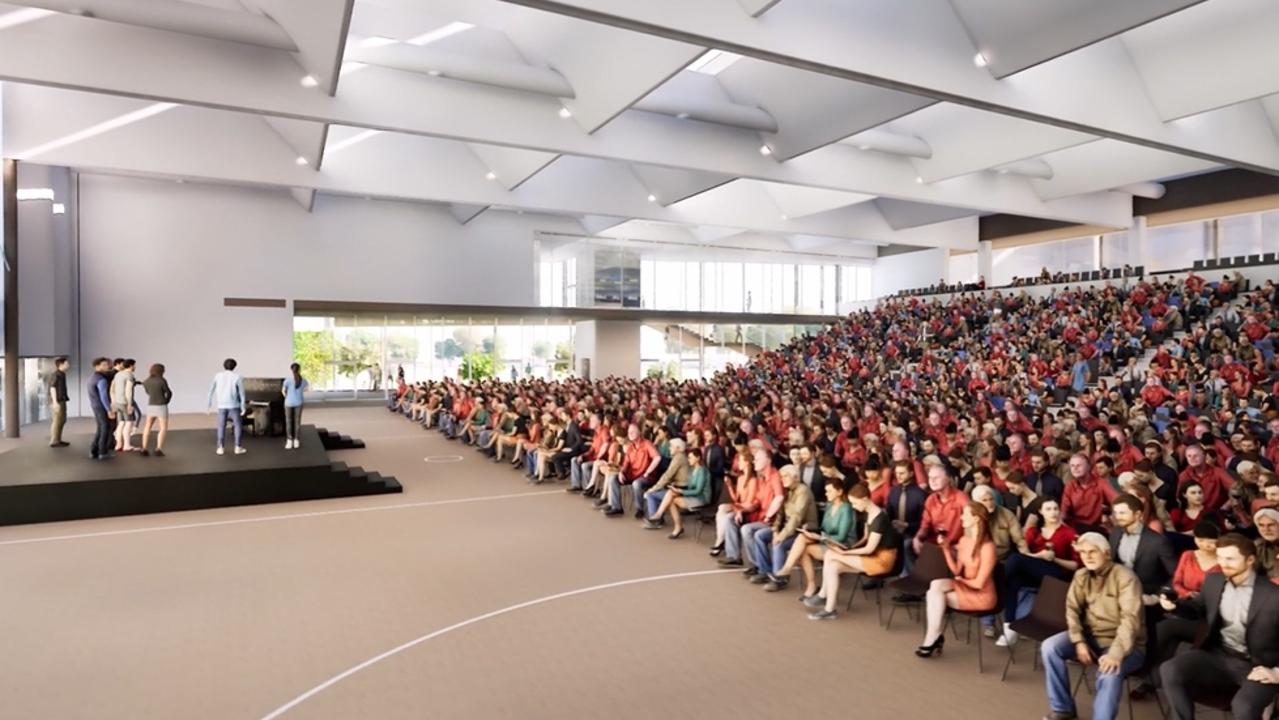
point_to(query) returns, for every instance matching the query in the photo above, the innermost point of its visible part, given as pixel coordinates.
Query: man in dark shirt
(100, 403)
(1041, 479)
(58, 398)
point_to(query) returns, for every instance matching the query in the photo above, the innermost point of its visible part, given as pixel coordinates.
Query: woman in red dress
(973, 585)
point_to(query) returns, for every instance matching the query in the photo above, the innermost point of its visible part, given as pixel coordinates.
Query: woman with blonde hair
(972, 589)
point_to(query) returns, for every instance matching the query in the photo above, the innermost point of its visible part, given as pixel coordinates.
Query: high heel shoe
(676, 535)
(717, 550)
(935, 649)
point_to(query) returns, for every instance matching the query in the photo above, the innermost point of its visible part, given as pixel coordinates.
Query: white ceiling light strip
(95, 130)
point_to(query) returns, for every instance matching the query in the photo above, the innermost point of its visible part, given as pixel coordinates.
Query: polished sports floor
(471, 595)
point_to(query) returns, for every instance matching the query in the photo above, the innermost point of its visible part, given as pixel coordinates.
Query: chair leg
(1007, 664)
(892, 611)
(857, 583)
(879, 604)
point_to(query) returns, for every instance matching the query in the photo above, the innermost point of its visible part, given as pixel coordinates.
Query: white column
(1139, 242)
(985, 261)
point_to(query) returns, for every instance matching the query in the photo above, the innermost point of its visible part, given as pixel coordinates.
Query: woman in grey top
(122, 406)
(158, 397)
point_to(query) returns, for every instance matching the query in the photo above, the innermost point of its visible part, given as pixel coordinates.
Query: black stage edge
(43, 484)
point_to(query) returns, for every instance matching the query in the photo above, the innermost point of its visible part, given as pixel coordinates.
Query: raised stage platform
(43, 484)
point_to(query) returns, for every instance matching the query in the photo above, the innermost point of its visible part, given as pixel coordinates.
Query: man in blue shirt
(1079, 374)
(100, 403)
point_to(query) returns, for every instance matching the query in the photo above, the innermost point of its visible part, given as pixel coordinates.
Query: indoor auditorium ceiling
(823, 123)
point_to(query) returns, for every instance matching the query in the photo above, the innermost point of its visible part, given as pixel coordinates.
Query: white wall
(158, 257)
(920, 268)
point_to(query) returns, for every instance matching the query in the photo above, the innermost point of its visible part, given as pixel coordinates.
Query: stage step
(338, 441)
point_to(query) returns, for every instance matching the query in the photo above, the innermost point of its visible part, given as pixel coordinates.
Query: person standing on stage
(294, 386)
(100, 403)
(228, 392)
(158, 397)
(58, 402)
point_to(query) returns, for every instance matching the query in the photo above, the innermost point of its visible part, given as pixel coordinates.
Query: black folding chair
(706, 514)
(998, 611)
(1047, 618)
(859, 583)
(929, 566)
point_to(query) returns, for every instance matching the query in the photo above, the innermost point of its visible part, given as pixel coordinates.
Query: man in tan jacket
(772, 544)
(1105, 626)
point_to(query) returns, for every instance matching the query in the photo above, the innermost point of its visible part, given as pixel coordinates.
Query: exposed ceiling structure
(824, 126)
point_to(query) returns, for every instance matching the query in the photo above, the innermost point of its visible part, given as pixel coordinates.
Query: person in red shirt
(1084, 500)
(639, 462)
(942, 510)
(769, 495)
(1215, 481)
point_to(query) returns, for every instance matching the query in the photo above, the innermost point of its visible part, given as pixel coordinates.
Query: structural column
(9, 188)
(1139, 242)
(986, 262)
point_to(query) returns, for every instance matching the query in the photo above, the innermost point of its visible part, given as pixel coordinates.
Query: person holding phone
(837, 526)
(874, 554)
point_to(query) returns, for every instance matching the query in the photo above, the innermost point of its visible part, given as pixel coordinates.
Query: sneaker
(759, 578)
(650, 525)
(750, 572)
(159, 453)
(288, 444)
(730, 562)
(221, 451)
(1058, 715)
(822, 615)
(1008, 639)
(813, 601)
(240, 450)
(775, 584)
(988, 631)
(612, 512)
(297, 444)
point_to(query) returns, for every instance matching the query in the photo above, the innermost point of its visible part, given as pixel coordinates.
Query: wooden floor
(472, 595)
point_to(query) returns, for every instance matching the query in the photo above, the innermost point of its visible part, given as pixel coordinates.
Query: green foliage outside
(664, 371)
(476, 365)
(313, 350)
(563, 357)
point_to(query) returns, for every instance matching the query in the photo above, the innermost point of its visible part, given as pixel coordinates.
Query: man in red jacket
(1084, 500)
(1215, 481)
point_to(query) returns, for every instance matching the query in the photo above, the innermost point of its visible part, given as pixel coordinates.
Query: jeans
(530, 461)
(485, 437)
(614, 483)
(579, 471)
(102, 439)
(727, 527)
(1056, 650)
(641, 486)
(748, 532)
(770, 558)
(653, 501)
(292, 421)
(236, 418)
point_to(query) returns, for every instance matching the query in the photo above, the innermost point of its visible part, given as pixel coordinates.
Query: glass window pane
(1239, 235)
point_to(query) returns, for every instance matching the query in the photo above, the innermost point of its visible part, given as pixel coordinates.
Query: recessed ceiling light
(652, 198)
(863, 147)
(1002, 171)
(59, 209)
(682, 116)
(919, 180)
(490, 176)
(565, 113)
(310, 81)
(785, 216)
(765, 150)
(378, 41)
(300, 161)
(980, 60)
(433, 73)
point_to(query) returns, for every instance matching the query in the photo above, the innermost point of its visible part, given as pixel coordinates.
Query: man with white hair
(1105, 626)
(1266, 521)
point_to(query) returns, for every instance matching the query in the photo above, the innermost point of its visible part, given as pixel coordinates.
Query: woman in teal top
(837, 528)
(694, 494)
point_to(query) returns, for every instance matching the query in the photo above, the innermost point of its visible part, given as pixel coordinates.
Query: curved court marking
(443, 458)
(458, 626)
(266, 518)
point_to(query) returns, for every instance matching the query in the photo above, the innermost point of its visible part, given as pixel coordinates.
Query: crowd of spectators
(1045, 277)
(1023, 438)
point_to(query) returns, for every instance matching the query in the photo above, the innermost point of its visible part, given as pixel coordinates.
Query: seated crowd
(1015, 439)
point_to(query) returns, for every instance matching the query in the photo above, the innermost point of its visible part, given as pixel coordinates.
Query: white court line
(266, 518)
(457, 626)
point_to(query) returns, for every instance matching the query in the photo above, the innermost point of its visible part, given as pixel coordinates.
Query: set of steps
(336, 441)
(358, 481)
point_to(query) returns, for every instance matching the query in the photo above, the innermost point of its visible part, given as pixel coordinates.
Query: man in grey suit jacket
(1239, 654)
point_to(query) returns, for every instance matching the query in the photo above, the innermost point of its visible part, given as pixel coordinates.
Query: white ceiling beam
(238, 148)
(147, 64)
(1208, 56)
(1106, 164)
(466, 213)
(1095, 90)
(306, 139)
(187, 18)
(319, 27)
(755, 8)
(305, 197)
